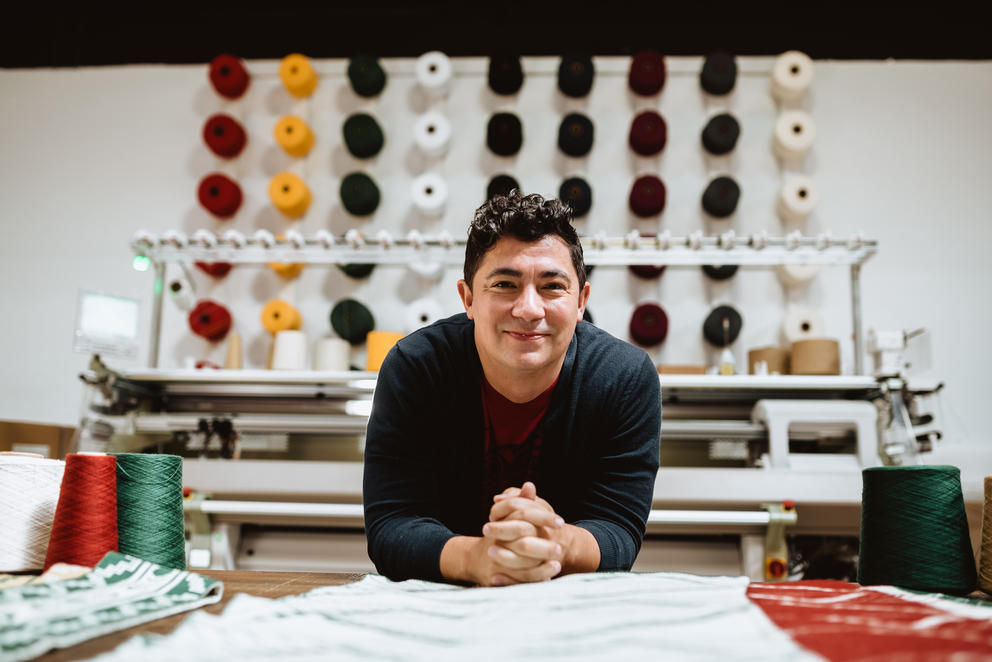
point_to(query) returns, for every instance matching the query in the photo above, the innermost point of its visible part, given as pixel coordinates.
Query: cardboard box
(682, 369)
(47, 440)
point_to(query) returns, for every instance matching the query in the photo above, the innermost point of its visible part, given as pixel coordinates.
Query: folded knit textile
(120, 592)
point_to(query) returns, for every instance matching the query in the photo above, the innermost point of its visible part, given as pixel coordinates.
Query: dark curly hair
(524, 217)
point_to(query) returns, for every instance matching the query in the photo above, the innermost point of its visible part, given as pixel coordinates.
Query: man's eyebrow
(504, 271)
(513, 273)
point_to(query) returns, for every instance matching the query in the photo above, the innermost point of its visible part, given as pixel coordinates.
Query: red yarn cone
(85, 525)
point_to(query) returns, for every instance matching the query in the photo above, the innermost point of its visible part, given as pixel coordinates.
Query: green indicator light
(140, 263)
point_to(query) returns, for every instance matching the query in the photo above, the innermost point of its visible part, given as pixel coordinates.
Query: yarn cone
(150, 508)
(85, 524)
(914, 530)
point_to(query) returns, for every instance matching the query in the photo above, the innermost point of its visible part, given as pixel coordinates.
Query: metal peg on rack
(234, 238)
(295, 238)
(205, 238)
(265, 238)
(694, 240)
(857, 241)
(354, 238)
(759, 240)
(177, 238)
(793, 239)
(384, 238)
(728, 240)
(664, 240)
(143, 238)
(416, 239)
(324, 238)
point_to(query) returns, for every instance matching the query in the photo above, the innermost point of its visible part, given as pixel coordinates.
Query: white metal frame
(693, 250)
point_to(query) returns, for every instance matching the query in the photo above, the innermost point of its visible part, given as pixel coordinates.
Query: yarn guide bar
(617, 251)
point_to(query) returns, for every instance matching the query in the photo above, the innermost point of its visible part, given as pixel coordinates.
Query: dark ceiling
(165, 34)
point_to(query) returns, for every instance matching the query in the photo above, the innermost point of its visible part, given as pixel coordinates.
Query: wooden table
(262, 584)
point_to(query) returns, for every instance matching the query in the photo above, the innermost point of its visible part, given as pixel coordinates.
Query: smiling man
(514, 442)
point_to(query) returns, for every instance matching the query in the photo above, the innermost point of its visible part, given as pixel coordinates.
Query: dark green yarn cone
(366, 75)
(362, 135)
(914, 531)
(150, 508)
(359, 194)
(359, 270)
(352, 321)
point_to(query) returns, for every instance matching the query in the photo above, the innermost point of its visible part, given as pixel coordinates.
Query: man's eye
(554, 286)
(503, 284)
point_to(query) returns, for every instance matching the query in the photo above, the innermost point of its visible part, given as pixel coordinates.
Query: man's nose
(529, 305)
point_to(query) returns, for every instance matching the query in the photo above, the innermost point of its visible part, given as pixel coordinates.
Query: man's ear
(583, 300)
(465, 292)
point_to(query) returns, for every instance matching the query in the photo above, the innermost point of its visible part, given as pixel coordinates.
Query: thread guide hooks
(323, 247)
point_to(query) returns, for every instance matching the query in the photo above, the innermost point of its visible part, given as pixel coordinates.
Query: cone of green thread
(914, 531)
(150, 508)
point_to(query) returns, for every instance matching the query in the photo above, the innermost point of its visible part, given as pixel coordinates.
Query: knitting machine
(273, 460)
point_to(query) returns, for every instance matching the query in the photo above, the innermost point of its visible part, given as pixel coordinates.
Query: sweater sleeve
(621, 485)
(405, 535)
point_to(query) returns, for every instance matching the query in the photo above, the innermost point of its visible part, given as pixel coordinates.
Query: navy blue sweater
(423, 450)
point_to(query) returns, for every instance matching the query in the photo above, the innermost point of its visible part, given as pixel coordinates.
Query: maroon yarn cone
(85, 525)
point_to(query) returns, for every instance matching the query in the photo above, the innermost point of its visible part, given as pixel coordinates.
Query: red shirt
(512, 441)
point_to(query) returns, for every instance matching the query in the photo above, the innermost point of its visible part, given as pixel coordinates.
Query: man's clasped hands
(523, 541)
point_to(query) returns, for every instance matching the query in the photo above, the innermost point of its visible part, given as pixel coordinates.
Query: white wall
(904, 152)
(88, 155)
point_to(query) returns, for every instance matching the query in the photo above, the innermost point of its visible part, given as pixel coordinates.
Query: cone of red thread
(85, 525)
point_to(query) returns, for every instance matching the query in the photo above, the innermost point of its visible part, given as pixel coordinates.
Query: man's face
(525, 301)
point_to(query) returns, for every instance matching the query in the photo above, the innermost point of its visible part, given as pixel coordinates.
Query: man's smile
(525, 335)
